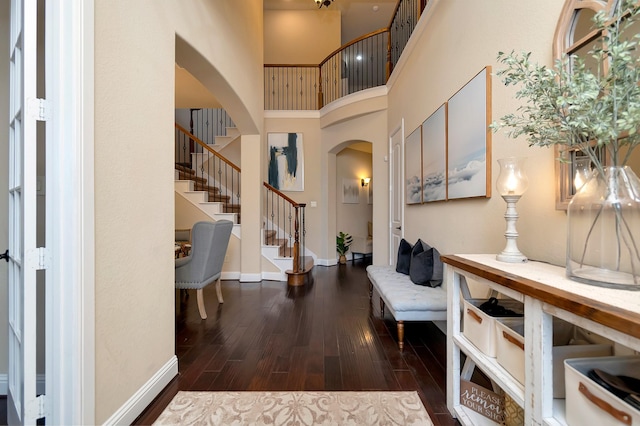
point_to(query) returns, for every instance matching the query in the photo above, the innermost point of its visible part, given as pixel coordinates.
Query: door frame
(397, 130)
(70, 212)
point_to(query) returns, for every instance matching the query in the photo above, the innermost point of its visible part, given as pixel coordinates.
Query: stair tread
(185, 168)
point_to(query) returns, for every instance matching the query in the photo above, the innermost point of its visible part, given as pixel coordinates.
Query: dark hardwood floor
(323, 336)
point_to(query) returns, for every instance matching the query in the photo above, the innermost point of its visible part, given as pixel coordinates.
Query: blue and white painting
(413, 168)
(468, 139)
(286, 161)
(434, 156)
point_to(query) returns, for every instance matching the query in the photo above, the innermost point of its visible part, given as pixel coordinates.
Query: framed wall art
(286, 161)
(469, 139)
(351, 191)
(434, 156)
(413, 167)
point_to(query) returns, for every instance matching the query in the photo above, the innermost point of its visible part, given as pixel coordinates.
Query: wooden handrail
(352, 42)
(277, 191)
(389, 63)
(291, 65)
(208, 148)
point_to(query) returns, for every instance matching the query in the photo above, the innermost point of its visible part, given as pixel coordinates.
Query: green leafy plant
(343, 241)
(577, 103)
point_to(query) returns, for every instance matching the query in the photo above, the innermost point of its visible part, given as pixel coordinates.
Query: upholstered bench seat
(405, 300)
(361, 245)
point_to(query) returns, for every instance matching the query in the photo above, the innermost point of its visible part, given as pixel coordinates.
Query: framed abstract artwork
(286, 161)
(469, 139)
(413, 167)
(351, 191)
(434, 156)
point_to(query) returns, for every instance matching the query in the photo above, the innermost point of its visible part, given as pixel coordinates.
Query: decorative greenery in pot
(592, 106)
(343, 241)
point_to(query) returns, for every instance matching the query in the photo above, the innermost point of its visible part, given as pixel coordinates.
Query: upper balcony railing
(361, 64)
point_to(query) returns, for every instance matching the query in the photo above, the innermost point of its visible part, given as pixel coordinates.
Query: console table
(546, 293)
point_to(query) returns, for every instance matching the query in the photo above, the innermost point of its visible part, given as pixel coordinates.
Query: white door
(22, 401)
(396, 202)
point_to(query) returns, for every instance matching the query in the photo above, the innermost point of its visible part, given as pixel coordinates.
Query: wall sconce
(511, 184)
(365, 181)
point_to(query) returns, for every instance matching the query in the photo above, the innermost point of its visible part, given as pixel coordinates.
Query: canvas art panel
(469, 139)
(413, 167)
(434, 156)
(286, 161)
(370, 192)
(351, 191)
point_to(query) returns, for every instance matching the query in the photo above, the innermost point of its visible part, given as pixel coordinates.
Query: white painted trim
(326, 262)
(250, 278)
(70, 213)
(292, 114)
(140, 400)
(232, 275)
(272, 276)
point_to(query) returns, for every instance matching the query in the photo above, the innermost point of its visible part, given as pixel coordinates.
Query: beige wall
(443, 60)
(353, 218)
(188, 214)
(135, 53)
(4, 180)
(309, 127)
(300, 36)
(370, 127)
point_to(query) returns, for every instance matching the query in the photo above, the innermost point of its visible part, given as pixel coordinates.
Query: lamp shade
(512, 180)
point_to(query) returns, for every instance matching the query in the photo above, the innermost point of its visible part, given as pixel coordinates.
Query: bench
(405, 300)
(361, 245)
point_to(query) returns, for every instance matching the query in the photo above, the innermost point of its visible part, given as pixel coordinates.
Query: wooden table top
(614, 308)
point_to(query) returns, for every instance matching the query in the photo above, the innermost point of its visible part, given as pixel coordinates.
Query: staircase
(184, 172)
(211, 182)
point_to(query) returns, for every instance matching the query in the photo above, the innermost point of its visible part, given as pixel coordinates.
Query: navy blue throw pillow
(404, 257)
(421, 268)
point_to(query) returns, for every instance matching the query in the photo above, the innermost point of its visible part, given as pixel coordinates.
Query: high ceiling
(358, 17)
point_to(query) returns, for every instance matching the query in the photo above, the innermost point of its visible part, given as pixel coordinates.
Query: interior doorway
(354, 197)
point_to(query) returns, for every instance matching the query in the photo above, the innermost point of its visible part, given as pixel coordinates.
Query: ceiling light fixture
(325, 3)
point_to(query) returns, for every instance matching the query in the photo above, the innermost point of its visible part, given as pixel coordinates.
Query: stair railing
(361, 64)
(210, 171)
(285, 220)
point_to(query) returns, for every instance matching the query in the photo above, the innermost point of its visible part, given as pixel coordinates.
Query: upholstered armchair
(203, 266)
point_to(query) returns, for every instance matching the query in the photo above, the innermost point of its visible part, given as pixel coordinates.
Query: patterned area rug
(295, 408)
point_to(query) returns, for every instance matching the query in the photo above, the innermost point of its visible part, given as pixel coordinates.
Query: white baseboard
(250, 278)
(4, 384)
(230, 276)
(326, 262)
(143, 397)
(273, 276)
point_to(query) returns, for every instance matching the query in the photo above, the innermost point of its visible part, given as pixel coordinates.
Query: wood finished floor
(323, 336)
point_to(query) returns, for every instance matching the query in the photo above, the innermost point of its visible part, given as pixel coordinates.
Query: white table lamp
(511, 184)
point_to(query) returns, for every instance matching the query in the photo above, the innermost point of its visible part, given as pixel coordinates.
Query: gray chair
(209, 242)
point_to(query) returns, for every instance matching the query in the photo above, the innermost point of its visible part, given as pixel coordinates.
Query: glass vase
(603, 232)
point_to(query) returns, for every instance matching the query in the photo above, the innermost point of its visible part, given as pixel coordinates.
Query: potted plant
(343, 241)
(594, 107)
